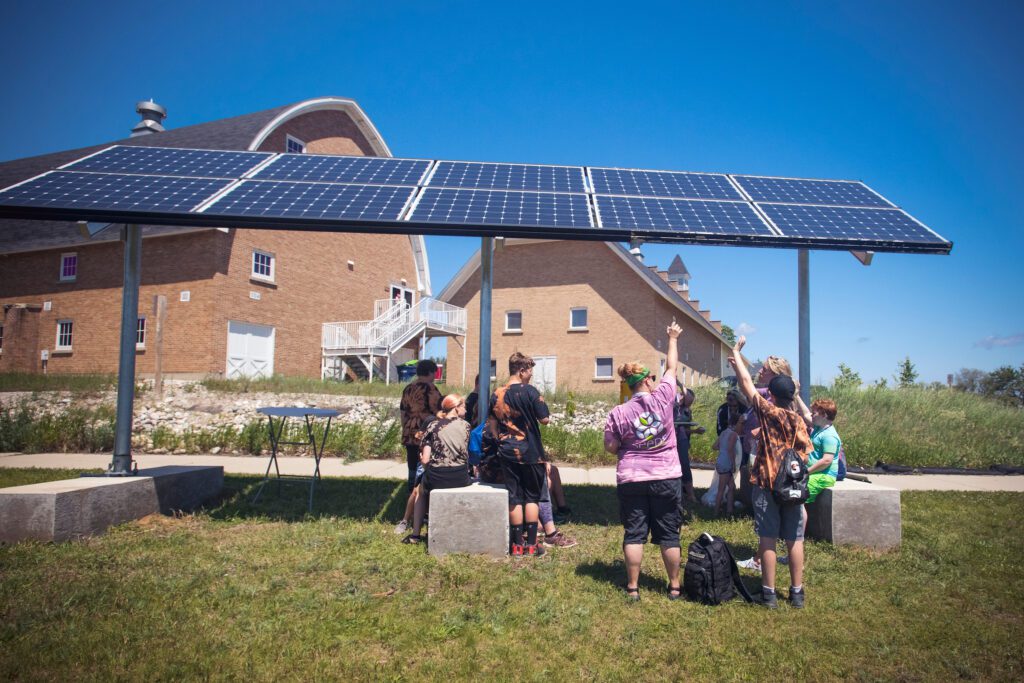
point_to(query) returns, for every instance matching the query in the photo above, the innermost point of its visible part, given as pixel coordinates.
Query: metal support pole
(486, 284)
(131, 236)
(804, 322)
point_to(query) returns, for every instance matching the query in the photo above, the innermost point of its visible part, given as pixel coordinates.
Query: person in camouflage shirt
(445, 456)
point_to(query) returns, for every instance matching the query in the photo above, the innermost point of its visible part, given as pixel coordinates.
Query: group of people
(649, 434)
(766, 422)
(436, 436)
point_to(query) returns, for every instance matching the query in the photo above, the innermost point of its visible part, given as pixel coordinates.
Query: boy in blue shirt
(823, 463)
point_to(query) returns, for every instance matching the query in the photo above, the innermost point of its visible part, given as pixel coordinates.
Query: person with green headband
(642, 434)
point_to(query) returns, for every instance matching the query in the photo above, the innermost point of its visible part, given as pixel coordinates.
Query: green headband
(634, 380)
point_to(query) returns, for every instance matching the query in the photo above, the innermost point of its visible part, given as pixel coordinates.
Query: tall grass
(305, 385)
(30, 381)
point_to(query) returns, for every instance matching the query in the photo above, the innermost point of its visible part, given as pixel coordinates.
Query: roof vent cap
(152, 117)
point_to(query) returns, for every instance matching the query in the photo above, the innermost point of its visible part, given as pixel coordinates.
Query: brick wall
(170, 265)
(313, 285)
(626, 316)
(324, 132)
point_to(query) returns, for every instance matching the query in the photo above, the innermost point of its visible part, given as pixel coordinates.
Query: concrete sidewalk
(393, 469)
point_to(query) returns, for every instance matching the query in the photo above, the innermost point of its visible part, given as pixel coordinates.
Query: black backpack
(710, 575)
(790, 485)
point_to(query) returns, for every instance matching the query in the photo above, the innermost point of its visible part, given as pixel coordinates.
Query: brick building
(581, 309)
(239, 301)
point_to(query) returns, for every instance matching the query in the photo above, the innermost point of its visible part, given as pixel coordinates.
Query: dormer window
(293, 145)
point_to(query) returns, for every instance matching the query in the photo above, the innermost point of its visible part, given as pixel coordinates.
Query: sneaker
(533, 550)
(402, 527)
(559, 540)
(751, 565)
(769, 600)
(783, 559)
(796, 598)
(562, 515)
(516, 551)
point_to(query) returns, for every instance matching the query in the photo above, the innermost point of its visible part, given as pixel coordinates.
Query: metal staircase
(366, 349)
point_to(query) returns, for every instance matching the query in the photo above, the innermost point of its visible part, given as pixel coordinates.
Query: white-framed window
(65, 333)
(293, 145)
(603, 367)
(578, 318)
(1, 338)
(263, 265)
(513, 321)
(494, 370)
(140, 333)
(68, 267)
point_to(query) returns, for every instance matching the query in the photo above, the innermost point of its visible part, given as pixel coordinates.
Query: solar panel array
(372, 194)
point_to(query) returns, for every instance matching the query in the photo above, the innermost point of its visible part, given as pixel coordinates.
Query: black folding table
(277, 431)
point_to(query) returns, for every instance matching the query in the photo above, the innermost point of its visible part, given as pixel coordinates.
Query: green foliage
(279, 384)
(729, 334)
(32, 381)
(847, 378)
(969, 379)
(1005, 384)
(906, 374)
(267, 588)
(570, 405)
(76, 430)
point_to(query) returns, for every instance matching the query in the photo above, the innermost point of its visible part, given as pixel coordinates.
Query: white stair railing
(394, 325)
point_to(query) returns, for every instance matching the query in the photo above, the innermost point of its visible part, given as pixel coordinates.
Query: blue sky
(922, 100)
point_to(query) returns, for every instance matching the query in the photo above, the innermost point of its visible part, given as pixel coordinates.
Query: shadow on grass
(363, 499)
(384, 500)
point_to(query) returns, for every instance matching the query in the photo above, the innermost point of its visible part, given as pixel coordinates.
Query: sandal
(412, 539)
(674, 592)
(632, 594)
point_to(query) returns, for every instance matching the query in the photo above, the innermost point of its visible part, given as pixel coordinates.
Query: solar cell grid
(187, 163)
(473, 175)
(113, 191)
(804, 191)
(269, 198)
(848, 223)
(663, 184)
(495, 207)
(681, 215)
(339, 169)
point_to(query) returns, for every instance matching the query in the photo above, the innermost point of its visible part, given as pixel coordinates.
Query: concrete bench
(88, 506)
(857, 513)
(472, 519)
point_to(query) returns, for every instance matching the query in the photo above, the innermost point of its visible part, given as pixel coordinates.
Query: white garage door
(250, 350)
(544, 373)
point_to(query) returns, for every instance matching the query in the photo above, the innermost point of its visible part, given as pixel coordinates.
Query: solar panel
(339, 169)
(663, 184)
(848, 223)
(681, 215)
(187, 163)
(113, 191)
(802, 191)
(478, 175)
(494, 207)
(269, 198)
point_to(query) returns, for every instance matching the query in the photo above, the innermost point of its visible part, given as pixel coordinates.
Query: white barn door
(544, 373)
(250, 350)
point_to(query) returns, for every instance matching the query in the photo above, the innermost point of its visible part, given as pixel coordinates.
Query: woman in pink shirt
(642, 434)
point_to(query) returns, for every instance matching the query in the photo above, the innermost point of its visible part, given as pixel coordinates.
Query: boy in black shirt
(516, 412)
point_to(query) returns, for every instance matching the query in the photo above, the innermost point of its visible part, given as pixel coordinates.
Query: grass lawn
(269, 593)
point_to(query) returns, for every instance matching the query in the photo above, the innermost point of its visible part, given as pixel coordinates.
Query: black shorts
(525, 482)
(445, 477)
(651, 507)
